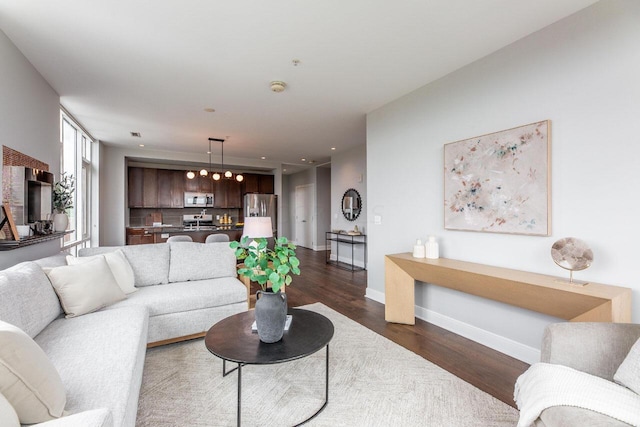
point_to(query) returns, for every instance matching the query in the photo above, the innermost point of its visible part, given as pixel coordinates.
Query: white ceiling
(153, 66)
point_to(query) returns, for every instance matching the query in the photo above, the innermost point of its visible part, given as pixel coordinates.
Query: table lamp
(257, 226)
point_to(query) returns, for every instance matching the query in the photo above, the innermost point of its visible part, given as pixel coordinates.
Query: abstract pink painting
(500, 182)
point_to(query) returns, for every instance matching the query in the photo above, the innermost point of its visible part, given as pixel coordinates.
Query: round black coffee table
(232, 340)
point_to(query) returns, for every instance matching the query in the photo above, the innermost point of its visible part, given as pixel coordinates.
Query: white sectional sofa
(181, 290)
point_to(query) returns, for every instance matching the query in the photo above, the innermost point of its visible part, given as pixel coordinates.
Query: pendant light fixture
(216, 176)
(226, 174)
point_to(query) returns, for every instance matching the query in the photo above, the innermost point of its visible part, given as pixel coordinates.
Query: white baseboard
(347, 260)
(320, 248)
(497, 342)
(372, 294)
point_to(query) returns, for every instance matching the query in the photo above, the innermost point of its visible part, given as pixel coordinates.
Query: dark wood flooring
(344, 291)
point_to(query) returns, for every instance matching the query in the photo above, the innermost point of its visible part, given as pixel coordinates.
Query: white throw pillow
(85, 287)
(118, 264)
(628, 373)
(8, 416)
(28, 380)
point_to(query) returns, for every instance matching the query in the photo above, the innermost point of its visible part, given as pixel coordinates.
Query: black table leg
(326, 379)
(326, 391)
(224, 368)
(239, 391)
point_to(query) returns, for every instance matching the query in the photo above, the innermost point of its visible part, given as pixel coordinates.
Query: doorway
(304, 215)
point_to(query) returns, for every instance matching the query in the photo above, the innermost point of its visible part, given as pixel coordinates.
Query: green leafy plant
(262, 264)
(63, 193)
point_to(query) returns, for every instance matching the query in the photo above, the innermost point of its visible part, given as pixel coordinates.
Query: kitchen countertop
(166, 228)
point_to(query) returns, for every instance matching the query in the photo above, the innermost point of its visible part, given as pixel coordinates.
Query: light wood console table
(537, 292)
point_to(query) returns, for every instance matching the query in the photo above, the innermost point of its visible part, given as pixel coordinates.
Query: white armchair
(595, 348)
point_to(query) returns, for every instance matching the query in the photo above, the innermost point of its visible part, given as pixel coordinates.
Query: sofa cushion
(8, 416)
(85, 287)
(100, 357)
(119, 266)
(628, 374)
(178, 297)
(93, 418)
(198, 261)
(150, 262)
(28, 380)
(52, 261)
(27, 299)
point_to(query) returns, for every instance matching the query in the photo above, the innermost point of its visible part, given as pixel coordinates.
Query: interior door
(304, 215)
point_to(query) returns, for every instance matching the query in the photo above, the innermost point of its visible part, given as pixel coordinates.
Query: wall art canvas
(500, 182)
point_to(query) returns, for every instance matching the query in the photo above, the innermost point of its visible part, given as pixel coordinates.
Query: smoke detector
(278, 86)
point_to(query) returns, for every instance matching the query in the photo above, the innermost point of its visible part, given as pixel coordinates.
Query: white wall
(29, 123)
(323, 203)
(582, 74)
(349, 170)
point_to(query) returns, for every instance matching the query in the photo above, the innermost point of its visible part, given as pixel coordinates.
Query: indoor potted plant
(270, 268)
(62, 201)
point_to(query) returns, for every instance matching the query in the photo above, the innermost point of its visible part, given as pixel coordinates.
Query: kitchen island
(151, 234)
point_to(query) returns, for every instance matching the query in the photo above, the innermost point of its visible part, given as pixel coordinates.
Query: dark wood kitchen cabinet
(143, 187)
(163, 188)
(199, 184)
(192, 185)
(206, 184)
(257, 183)
(139, 236)
(250, 183)
(135, 187)
(266, 184)
(150, 181)
(227, 194)
(170, 188)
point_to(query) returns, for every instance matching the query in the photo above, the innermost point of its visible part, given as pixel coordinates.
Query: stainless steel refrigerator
(262, 205)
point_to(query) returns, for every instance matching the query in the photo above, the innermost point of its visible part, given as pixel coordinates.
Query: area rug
(373, 382)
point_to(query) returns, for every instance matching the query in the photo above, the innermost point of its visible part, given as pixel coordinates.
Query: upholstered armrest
(595, 348)
(92, 418)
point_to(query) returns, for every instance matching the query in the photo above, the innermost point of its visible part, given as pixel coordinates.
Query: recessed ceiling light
(263, 157)
(136, 134)
(304, 160)
(140, 145)
(333, 148)
(311, 162)
(210, 110)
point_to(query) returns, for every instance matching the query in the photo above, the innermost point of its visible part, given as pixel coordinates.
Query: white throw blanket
(545, 385)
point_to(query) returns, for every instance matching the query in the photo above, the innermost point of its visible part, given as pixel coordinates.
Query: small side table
(349, 239)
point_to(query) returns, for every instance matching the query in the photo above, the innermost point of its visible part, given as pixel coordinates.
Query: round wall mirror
(351, 204)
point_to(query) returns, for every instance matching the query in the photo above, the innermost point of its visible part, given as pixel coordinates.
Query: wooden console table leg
(399, 290)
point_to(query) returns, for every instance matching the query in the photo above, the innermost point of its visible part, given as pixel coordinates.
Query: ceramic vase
(60, 222)
(271, 315)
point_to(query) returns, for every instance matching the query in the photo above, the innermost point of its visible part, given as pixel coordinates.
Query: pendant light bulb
(203, 172)
(228, 174)
(239, 178)
(216, 176)
(191, 175)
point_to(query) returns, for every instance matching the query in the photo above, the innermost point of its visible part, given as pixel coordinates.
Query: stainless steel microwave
(198, 200)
